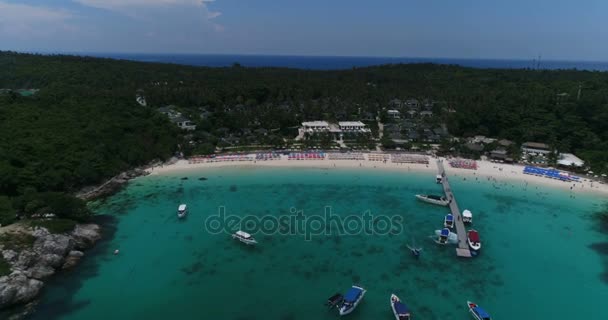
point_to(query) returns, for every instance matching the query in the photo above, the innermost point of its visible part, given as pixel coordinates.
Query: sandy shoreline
(486, 170)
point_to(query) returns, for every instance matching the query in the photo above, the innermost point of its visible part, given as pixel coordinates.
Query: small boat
(352, 298)
(473, 240)
(438, 200)
(477, 312)
(335, 300)
(244, 237)
(439, 179)
(400, 310)
(448, 221)
(467, 216)
(182, 210)
(445, 236)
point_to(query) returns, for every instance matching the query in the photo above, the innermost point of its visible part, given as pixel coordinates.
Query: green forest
(84, 124)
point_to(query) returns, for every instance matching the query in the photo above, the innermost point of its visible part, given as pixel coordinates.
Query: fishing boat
(352, 298)
(400, 310)
(445, 236)
(448, 221)
(182, 210)
(429, 198)
(467, 216)
(244, 237)
(439, 179)
(477, 312)
(473, 240)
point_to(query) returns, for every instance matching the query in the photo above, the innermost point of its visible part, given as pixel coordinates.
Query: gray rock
(72, 259)
(40, 271)
(85, 235)
(58, 244)
(17, 288)
(9, 255)
(27, 258)
(51, 260)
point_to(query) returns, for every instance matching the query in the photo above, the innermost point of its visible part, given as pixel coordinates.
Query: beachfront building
(337, 130)
(535, 147)
(570, 160)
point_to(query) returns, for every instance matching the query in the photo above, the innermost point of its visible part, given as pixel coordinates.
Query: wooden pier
(463, 247)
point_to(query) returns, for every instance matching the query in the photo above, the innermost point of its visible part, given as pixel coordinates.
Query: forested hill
(84, 124)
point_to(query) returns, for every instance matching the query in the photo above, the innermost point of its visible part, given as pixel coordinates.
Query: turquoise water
(537, 261)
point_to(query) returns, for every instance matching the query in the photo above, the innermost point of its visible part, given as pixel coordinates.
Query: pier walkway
(463, 247)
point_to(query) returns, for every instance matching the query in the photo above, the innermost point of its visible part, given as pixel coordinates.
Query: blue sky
(556, 29)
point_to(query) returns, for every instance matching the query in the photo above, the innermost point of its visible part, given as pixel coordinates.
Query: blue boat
(448, 221)
(351, 300)
(477, 312)
(400, 310)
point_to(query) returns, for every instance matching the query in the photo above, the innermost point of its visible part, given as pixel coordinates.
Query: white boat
(400, 310)
(473, 240)
(445, 236)
(448, 221)
(439, 179)
(352, 298)
(438, 200)
(467, 216)
(244, 237)
(182, 210)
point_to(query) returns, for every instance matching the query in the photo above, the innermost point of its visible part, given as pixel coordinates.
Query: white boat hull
(422, 198)
(245, 241)
(474, 246)
(344, 311)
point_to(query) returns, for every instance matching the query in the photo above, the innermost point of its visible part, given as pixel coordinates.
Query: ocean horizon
(342, 62)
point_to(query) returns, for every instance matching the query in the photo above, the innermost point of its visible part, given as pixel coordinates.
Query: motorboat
(433, 199)
(182, 210)
(445, 236)
(477, 312)
(439, 179)
(400, 310)
(244, 237)
(473, 240)
(352, 298)
(467, 216)
(448, 221)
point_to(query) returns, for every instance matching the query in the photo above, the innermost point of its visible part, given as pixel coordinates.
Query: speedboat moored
(244, 237)
(448, 221)
(352, 298)
(439, 179)
(400, 310)
(445, 236)
(433, 199)
(182, 210)
(477, 312)
(473, 240)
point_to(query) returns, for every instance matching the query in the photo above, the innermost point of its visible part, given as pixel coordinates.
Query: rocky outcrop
(111, 186)
(49, 253)
(85, 235)
(18, 288)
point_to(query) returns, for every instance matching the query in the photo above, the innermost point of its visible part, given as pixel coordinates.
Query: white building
(315, 126)
(535, 147)
(569, 160)
(353, 126)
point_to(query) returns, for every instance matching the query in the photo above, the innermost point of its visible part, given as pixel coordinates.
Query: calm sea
(542, 256)
(333, 62)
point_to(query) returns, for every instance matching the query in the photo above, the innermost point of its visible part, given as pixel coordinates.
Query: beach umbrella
(590, 172)
(603, 174)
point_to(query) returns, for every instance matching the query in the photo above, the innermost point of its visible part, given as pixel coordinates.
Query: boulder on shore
(17, 288)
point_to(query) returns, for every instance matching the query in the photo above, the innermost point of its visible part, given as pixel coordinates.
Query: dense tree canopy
(84, 124)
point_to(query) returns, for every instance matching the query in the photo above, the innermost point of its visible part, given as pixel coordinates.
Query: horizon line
(297, 55)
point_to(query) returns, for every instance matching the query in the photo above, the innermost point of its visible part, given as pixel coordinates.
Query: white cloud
(127, 6)
(22, 20)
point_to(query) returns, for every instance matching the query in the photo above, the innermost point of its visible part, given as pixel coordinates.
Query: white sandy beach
(496, 172)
